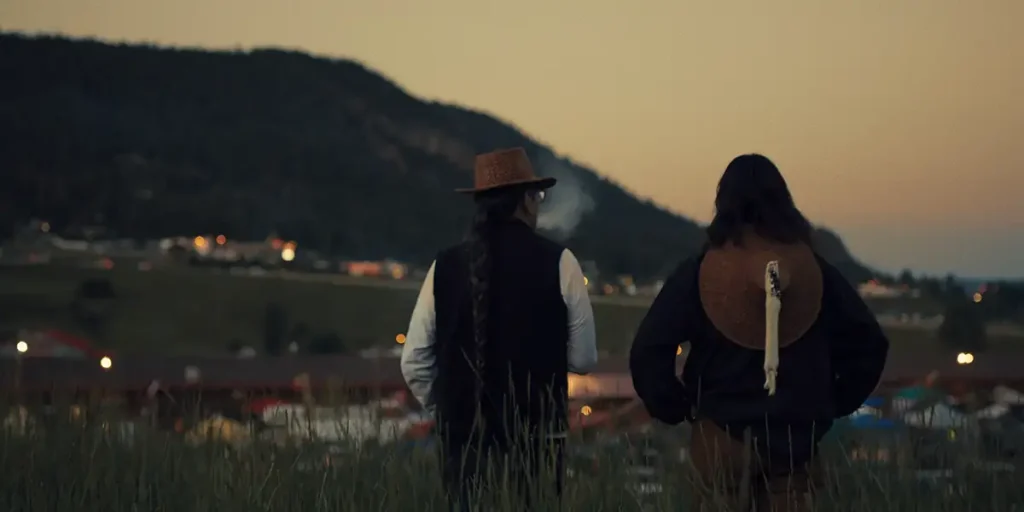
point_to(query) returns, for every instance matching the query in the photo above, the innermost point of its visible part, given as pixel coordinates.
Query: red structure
(51, 343)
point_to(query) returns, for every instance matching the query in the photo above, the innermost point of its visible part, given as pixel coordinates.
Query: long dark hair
(752, 195)
(492, 209)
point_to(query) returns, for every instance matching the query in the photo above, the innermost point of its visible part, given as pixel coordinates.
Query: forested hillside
(156, 142)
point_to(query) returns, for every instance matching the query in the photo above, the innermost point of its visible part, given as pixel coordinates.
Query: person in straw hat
(780, 346)
(500, 321)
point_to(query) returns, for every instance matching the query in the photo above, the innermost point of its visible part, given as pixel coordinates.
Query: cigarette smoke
(566, 203)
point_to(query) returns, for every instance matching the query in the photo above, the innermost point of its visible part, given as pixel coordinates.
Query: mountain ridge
(164, 141)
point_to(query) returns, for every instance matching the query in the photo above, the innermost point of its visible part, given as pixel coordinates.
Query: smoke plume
(566, 203)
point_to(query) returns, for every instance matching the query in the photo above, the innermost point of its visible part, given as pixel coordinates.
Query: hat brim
(532, 183)
(734, 300)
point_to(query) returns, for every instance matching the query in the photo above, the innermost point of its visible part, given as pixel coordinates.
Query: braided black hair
(492, 209)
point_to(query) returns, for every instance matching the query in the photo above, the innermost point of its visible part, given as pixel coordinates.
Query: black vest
(525, 377)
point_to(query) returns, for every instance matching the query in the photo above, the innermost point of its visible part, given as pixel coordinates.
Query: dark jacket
(825, 374)
(525, 377)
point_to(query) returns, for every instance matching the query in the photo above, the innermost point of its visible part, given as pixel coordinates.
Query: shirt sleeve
(582, 332)
(859, 346)
(418, 358)
(652, 358)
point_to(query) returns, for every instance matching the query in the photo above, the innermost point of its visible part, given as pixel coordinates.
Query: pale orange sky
(893, 121)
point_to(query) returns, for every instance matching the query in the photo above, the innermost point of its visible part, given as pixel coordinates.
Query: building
(876, 290)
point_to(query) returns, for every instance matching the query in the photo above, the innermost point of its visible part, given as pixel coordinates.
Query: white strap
(772, 306)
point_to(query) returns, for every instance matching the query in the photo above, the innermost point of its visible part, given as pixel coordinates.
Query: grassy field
(87, 468)
(184, 310)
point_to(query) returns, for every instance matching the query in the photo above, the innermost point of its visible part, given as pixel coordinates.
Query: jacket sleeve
(652, 358)
(859, 347)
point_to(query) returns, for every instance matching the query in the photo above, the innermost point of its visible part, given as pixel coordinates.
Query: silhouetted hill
(155, 142)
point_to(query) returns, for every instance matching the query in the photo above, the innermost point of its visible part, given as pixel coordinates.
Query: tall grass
(62, 466)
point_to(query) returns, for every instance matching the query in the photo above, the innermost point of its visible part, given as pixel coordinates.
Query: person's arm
(652, 359)
(859, 346)
(418, 359)
(582, 332)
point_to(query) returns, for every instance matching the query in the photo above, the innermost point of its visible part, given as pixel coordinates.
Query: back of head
(495, 206)
(753, 199)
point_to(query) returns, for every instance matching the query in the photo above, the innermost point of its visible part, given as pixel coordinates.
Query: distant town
(35, 244)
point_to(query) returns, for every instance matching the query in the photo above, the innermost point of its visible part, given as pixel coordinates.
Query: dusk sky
(900, 124)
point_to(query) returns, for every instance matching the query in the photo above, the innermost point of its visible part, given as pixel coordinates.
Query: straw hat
(732, 290)
(504, 168)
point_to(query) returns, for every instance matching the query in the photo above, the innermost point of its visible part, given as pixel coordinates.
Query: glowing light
(400, 339)
(586, 281)
(288, 254)
(583, 385)
(586, 410)
(978, 297)
(45, 227)
(221, 239)
(199, 242)
(964, 358)
(22, 347)
(398, 272)
(106, 363)
(679, 350)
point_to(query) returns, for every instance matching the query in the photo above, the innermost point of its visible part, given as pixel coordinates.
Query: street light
(106, 363)
(21, 347)
(964, 358)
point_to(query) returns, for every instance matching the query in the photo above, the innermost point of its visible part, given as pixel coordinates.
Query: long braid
(492, 210)
(480, 283)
